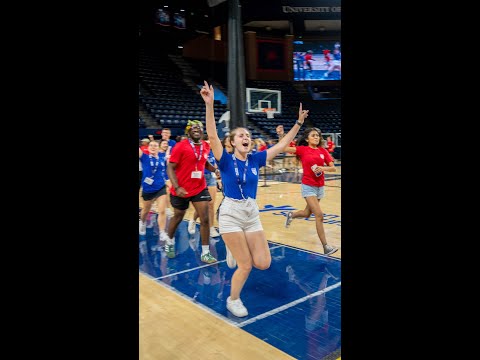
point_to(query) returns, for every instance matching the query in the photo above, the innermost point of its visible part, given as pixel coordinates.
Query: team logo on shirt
(254, 171)
(322, 156)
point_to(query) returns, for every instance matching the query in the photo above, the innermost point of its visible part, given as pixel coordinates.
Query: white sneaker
(164, 236)
(236, 307)
(329, 249)
(151, 220)
(231, 262)
(192, 226)
(142, 227)
(214, 232)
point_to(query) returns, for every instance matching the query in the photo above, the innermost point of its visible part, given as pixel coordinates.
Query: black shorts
(182, 203)
(154, 195)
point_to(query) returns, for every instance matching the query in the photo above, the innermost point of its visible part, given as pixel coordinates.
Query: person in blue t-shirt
(239, 216)
(154, 179)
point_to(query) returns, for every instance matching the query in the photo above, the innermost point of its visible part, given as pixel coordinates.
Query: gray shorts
(317, 191)
(239, 215)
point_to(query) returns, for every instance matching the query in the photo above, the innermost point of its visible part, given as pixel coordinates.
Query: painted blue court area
(294, 305)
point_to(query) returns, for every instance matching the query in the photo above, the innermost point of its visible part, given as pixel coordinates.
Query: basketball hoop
(270, 112)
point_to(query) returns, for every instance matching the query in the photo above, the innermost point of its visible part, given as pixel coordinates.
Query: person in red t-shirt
(330, 146)
(315, 161)
(144, 146)
(186, 166)
(327, 56)
(288, 161)
(308, 62)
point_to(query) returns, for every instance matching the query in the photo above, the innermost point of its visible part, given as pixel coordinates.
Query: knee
(245, 267)
(319, 215)
(264, 263)
(204, 221)
(178, 215)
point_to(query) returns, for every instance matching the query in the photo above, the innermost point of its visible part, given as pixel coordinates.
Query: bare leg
(161, 205)
(147, 205)
(211, 204)
(314, 205)
(201, 207)
(237, 243)
(305, 213)
(174, 221)
(259, 250)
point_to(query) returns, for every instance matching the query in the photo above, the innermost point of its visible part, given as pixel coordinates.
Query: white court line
(187, 270)
(201, 266)
(289, 305)
(307, 251)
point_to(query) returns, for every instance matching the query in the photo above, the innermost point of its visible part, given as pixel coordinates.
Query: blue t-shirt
(231, 187)
(211, 160)
(150, 164)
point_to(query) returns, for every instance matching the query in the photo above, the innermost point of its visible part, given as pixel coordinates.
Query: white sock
(170, 241)
(205, 249)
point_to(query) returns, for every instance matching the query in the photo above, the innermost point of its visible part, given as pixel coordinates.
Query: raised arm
(281, 134)
(215, 143)
(140, 152)
(285, 141)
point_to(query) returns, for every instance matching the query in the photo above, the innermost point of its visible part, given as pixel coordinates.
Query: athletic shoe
(192, 226)
(289, 219)
(142, 227)
(170, 248)
(236, 307)
(208, 258)
(328, 249)
(164, 236)
(214, 232)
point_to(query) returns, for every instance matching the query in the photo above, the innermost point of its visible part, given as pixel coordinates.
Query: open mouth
(246, 144)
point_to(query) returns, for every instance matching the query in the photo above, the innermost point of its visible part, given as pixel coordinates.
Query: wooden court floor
(173, 327)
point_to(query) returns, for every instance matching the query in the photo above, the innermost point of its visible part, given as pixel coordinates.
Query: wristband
(299, 123)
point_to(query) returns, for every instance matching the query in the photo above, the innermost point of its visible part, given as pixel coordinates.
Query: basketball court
(294, 306)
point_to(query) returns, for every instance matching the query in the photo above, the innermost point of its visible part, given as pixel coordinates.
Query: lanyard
(154, 166)
(163, 167)
(199, 156)
(237, 174)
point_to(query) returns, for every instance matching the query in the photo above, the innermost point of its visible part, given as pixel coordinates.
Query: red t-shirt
(309, 157)
(182, 154)
(292, 144)
(144, 148)
(330, 146)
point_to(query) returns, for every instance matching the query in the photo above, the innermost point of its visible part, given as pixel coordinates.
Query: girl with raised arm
(239, 220)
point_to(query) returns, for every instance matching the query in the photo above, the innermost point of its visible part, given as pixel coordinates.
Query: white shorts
(239, 215)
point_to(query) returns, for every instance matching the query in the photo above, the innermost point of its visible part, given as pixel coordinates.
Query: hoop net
(270, 112)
